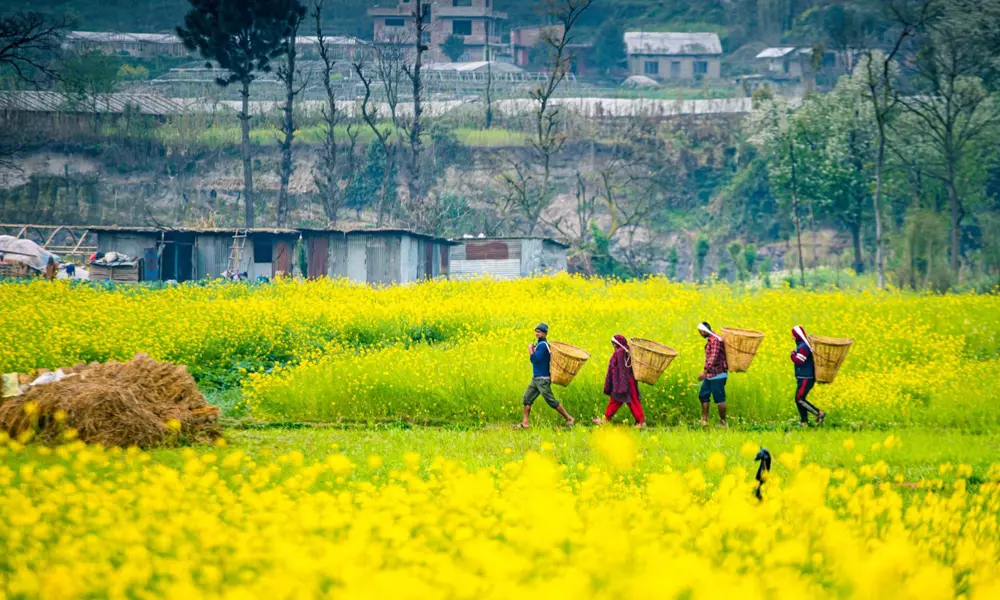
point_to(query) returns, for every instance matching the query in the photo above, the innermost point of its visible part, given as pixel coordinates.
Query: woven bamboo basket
(650, 359)
(741, 347)
(828, 354)
(566, 362)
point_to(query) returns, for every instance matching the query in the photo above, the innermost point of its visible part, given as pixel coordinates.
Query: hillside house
(674, 56)
(480, 26)
(507, 258)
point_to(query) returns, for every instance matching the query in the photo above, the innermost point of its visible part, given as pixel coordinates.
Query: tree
(335, 178)
(609, 47)
(28, 42)
(789, 154)
(383, 137)
(286, 73)
(735, 250)
(529, 191)
(243, 37)
(672, 260)
(368, 188)
(454, 47)
(416, 184)
(844, 119)
(750, 259)
(951, 105)
(878, 73)
(87, 80)
(701, 248)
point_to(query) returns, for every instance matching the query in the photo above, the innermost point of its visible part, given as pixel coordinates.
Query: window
(651, 68)
(425, 38)
(461, 2)
(395, 23)
(700, 67)
(675, 68)
(461, 27)
(262, 251)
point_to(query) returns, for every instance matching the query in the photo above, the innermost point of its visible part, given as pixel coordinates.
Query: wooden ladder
(236, 252)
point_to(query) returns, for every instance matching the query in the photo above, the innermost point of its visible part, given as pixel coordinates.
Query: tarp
(24, 251)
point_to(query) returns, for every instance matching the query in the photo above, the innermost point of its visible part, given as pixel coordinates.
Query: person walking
(620, 385)
(805, 377)
(541, 379)
(713, 377)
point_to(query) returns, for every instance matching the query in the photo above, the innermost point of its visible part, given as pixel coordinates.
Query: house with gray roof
(673, 55)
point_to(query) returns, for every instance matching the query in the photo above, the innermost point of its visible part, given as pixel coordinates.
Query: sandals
(521, 426)
(820, 417)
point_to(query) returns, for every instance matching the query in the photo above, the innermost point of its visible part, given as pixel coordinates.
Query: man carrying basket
(541, 380)
(713, 377)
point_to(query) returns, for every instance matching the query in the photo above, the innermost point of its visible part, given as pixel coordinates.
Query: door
(151, 265)
(319, 253)
(281, 258)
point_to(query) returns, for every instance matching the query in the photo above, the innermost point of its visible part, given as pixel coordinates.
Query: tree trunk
(288, 128)
(383, 199)
(795, 213)
(957, 212)
(245, 151)
(877, 207)
(859, 263)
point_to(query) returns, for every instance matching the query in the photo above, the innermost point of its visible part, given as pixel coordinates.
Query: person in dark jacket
(620, 385)
(713, 377)
(805, 376)
(541, 379)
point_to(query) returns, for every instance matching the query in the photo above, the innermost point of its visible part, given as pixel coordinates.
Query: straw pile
(566, 362)
(138, 403)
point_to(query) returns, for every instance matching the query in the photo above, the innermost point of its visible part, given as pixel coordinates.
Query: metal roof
(389, 230)
(479, 66)
(776, 52)
(154, 229)
(116, 37)
(462, 240)
(116, 103)
(672, 44)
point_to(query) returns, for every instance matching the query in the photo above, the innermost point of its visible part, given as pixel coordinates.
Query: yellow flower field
(234, 523)
(454, 351)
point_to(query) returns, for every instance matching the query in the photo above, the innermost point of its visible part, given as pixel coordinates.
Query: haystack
(116, 404)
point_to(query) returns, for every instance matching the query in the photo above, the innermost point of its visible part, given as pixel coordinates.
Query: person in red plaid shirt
(713, 378)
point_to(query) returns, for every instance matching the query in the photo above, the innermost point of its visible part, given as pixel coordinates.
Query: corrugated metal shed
(506, 258)
(212, 255)
(672, 44)
(130, 243)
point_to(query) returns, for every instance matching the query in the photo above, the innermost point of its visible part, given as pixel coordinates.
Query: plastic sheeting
(25, 251)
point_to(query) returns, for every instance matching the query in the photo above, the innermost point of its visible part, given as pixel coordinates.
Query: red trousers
(635, 406)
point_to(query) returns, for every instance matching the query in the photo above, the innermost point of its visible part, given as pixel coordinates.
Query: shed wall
(128, 243)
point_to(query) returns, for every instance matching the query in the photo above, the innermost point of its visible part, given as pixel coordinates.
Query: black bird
(764, 458)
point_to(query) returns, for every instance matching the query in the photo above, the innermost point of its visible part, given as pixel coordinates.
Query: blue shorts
(713, 388)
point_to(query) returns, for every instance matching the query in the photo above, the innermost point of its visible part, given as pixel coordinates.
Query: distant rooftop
(118, 37)
(776, 52)
(475, 67)
(678, 44)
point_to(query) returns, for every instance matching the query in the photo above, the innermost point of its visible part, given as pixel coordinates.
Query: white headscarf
(802, 336)
(701, 327)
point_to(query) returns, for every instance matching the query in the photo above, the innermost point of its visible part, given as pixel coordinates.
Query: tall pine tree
(242, 36)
